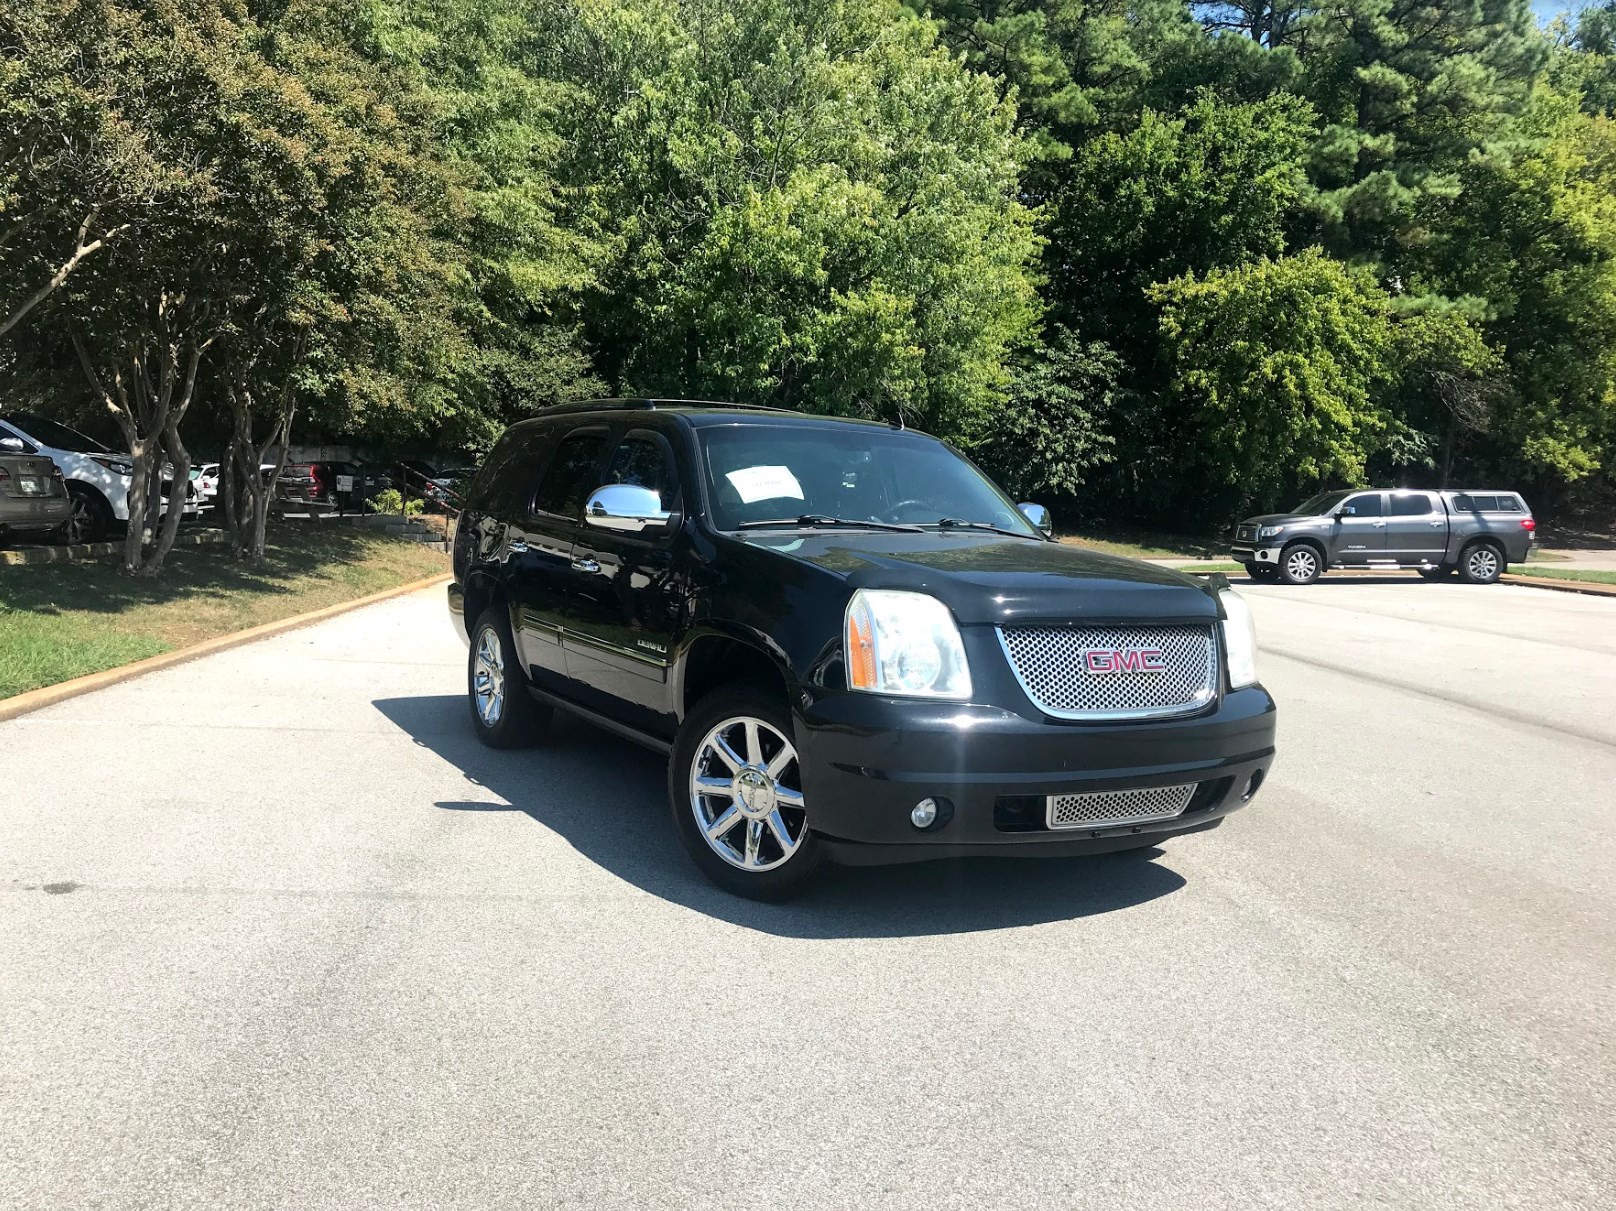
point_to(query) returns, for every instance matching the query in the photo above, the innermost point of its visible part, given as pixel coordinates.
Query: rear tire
(735, 790)
(1481, 563)
(1300, 563)
(503, 713)
(91, 519)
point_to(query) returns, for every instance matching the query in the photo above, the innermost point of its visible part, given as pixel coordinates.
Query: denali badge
(1124, 660)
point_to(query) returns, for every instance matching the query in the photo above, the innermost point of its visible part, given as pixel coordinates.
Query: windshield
(1321, 504)
(761, 473)
(58, 436)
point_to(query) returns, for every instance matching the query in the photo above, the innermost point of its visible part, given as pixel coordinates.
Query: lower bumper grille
(1108, 808)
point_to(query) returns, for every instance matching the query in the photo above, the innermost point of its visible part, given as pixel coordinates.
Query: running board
(644, 739)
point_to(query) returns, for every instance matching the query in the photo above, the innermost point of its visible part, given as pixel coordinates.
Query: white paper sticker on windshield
(764, 483)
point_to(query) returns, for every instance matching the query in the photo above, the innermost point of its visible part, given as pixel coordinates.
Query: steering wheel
(898, 508)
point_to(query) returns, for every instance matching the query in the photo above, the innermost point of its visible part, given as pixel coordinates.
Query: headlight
(116, 466)
(1239, 639)
(904, 643)
(1272, 531)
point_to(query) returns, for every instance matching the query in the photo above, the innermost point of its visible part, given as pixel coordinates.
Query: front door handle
(517, 546)
(585, 564)
(1380, 525)
(1437, 525)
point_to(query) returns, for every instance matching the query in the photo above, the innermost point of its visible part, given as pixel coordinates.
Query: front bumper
(1255, 554)
(868, 760)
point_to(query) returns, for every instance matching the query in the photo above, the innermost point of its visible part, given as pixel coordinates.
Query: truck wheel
(735, 789)
(1300, 564)
(1482, 563)
(502, 711)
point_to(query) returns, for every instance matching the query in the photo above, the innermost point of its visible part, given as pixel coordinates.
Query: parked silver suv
(1476, 533)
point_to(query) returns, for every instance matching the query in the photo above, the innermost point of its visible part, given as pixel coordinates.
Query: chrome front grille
(1096, 673)
(1108, 808)
(1246, 533)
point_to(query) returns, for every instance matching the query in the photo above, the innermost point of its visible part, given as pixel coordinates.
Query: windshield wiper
(959, 523)
(809, 520)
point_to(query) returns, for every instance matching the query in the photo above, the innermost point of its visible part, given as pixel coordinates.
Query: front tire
(735, 790)
(502, 711)
(1300, 563)
(1482, 563)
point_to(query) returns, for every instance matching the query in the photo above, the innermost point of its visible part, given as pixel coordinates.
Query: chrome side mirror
(626, 508)
(1038, 515)
(13, 445)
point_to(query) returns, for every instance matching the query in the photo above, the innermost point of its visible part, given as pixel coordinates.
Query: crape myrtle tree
(74, 179)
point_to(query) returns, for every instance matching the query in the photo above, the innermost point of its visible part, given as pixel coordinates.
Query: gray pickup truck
(1475, 533)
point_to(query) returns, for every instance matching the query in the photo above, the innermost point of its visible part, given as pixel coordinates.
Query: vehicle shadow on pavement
(608, 799)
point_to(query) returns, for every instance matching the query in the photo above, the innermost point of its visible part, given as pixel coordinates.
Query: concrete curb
(1561, 586)
(78, 552)
(33, 700)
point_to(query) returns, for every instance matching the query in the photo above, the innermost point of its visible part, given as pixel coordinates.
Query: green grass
(1539, 555)
(1202, 569)
(59, 621)
(1589, 575)
(1140, 545)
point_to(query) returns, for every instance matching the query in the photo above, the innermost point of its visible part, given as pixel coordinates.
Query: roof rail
(648, 405)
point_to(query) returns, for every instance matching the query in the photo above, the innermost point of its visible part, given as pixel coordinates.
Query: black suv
(850, 643)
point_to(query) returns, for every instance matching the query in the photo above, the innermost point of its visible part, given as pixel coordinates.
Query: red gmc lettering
(1125, 660)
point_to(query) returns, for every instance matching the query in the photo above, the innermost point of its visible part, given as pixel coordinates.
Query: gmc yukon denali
(850, 644)
(1477, 534)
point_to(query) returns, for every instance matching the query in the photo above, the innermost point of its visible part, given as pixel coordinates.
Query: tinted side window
(1367, 505)
(1510, 504)
(1415, 505)
(501, 486)
(571, 475)
(643, 462)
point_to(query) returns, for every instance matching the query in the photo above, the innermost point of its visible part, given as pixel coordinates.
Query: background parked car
(206, 479)
(33, 495)
(449, 487)
(98, 478)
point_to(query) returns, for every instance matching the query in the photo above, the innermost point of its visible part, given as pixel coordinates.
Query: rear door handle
(1436, 525)
(1380, 525)
(585, 564)
(517, 546)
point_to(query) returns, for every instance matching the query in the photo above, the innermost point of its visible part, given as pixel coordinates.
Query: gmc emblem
(1124, 660)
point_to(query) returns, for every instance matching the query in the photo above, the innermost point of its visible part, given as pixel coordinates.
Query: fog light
(925, 813)
(1251, 786)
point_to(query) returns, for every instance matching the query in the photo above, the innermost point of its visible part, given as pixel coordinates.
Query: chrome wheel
(746, 794)
(488, 677)
(1482, 564)
(1301, 564)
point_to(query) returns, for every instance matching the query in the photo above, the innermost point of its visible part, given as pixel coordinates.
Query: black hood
(1281, 519)
(991, 579)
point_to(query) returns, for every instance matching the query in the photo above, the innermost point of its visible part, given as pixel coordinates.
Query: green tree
(1532, 237)
(1209, 188)
(1053, 428)
(1408, 89)
(1278, 367)
(802, 203)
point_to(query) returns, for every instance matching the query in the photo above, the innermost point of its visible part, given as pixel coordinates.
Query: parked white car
(98, 479)
(206, 480)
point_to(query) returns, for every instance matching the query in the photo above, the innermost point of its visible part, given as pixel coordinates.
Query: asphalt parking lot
(276, 932)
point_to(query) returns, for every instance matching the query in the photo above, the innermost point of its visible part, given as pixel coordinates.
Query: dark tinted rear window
(1483, 502)
(1415, 504)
